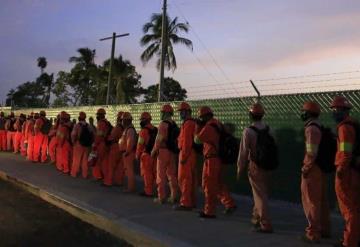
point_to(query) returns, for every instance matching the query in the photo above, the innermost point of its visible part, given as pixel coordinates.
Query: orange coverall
(187, 164)
(23, 149)
(63, 148)
(127, 147)
(18, 135)
(165, 164)
(101, 148)
(80, 153)
(10, 134)
(40, 141)
(147, 163)
(258, 178)
(115, 170)
(212, 181)
(29, 132)
(347, 187)
(313, 186)
(52, 143)
(3, 146)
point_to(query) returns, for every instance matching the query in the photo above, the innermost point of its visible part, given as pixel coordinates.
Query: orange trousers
(259, 181)
(129, 170)
(52, 149)
(23, 149)
(63, 157)
(347, 192)
(40, 147)
(10, 140)
(166, 168)
(187, 181)
(315, 204)
(80, 159)
(3, 146)
(30, 148)
(213, 186)
(115, 171)
(148, 172)
(101, 167)
(17, 141)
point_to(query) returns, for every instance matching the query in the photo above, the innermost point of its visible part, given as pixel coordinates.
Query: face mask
(304, 116)
(143, 123)
(183, 115)
(339, 116)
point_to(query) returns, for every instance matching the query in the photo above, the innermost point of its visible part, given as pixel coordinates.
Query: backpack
(266, 153)
(86, 137)
(228, 145)
(327, 150)
(2, 124)
(198, 148)
(153, 133)
(172, 139)
(45, 128)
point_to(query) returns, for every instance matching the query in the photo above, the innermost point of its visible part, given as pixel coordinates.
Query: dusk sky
(245, 39)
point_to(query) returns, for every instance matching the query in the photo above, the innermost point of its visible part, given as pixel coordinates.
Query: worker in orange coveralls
(3, 146)
(127, 145)
(187, 160)
(99, 147)
(145, 144)
(115, 171)
(10, 131)
(63, 146)
(29, 132)
(313, 180)
(258, 177)
(80, 152)
(212, 180)
(166, 159)
(23, 146)
(347, 181)
(18, 133)
(41, 140)
(53, 139)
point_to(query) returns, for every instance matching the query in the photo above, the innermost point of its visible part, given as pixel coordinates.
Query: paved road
(161, 222)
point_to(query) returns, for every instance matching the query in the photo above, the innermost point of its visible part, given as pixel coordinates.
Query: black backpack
(172, 139)
(2, 123)
(266, 153)
(45, 128)
(86, 137)
(153, 133)
(325, 158)
(228, 145)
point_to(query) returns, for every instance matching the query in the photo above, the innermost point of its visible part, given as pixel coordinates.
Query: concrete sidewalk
(141, 222)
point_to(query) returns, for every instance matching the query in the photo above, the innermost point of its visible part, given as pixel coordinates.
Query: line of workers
(110, 153)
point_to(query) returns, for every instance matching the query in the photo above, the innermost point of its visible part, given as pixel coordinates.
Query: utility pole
(163, 50)
(114, 36)
(256, 90)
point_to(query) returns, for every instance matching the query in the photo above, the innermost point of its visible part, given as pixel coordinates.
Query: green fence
(282, 115)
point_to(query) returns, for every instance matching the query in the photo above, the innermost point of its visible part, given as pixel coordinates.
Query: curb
(121, 228)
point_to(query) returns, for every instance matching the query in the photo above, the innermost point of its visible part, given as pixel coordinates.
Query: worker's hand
(340, 171)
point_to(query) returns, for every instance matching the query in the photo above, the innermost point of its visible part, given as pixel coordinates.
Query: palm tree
(42, 63)
(152, 39)
(86, 59)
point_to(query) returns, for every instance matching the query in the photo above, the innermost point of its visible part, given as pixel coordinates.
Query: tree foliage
(172, 91)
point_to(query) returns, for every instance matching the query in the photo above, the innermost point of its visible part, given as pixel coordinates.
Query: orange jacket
(144, 138)
(346, 141)
(312, 142)
(29, 130)
(115, 134)
(186, 138)
(38, 125)
(162, 136)
(63, 133)
(75, 133)
(127, 141)
(210, 137)
(102, 131)
(18, 125)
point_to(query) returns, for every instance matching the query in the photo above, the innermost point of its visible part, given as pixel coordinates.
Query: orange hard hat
(82, 115)
(145, 116)
(101, 111)
(257, 109)
(167, 108)
(42, 113)
(63, 115)
(184, 106)
(340, 102)
(204, 110)
(312, 107)
(127, 116)
(120, 114)
(31, 114)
